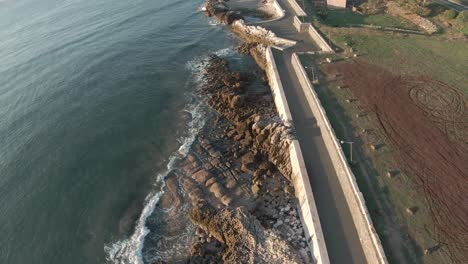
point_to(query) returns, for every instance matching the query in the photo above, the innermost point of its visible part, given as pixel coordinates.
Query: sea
(97, 104)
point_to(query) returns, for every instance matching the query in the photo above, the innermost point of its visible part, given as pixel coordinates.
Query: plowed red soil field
(426, 123)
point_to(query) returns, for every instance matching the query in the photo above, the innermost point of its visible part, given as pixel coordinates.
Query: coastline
(229, 197)
(236, 178)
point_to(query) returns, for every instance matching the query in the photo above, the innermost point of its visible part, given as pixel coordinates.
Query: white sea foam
(227, 52)
(213, 22)
(129, 251)
(197, 65)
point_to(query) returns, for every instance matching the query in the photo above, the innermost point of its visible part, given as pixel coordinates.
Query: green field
(403, 236)
(342, 18)
(441, 59)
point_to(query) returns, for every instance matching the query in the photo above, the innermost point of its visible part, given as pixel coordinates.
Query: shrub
(463, 17)
(450, 14)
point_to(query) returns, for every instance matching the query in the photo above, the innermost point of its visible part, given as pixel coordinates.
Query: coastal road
(340, 234)
(455, 6)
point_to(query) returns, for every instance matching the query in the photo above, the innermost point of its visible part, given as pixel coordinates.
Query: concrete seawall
(300, 178)
(370, 241)
(277, 89)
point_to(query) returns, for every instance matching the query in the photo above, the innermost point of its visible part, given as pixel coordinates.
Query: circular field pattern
(444, 105)
(425, 123)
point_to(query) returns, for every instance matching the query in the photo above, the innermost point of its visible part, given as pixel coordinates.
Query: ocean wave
(198, 64)
(129, 251)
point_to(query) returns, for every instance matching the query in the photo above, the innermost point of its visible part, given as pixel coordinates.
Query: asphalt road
(452, 5)
(340, 234)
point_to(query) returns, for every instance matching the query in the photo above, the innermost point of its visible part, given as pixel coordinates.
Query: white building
(336, 3)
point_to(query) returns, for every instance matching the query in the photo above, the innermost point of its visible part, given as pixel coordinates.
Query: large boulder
(202, 176)
(245, 238)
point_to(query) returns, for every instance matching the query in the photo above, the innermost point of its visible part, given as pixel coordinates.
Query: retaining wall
(277, 89)
(315, 35)
(309, 28)
(300, 179)
(300, 26)
(297, 8)
(369, 239)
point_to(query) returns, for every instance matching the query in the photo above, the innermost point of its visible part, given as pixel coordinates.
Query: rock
(202, 176)
(231, 183)
(210, 182)
(216, 163)
(237, 101)
(217, 189)
(190, 167)
(411, 210)
(264, 165)
(197, 250)
(241, 127)
(231, 133)
(213, 153)
(195, 194)
(289, 189)
(248, 158)
(255, 189)
(172, 195)
(277, 224)
(226, 200)
(192, 158)
(246, 169)
(245, 239)
(393, 173)
(259, 139)
(199, 232)
(305, 255)
(232, 16)
(246, 142)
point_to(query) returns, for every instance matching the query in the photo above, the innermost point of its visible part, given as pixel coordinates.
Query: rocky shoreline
(236, 177)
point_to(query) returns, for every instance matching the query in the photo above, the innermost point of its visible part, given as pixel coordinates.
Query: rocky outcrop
(245, 239)
(257, 38)
(423, 23)
(218, 177)
(257, 126)
(221, 11)
(236, 178)
(257, 51)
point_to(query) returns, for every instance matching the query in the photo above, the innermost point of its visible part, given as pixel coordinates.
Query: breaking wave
(129, 251)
